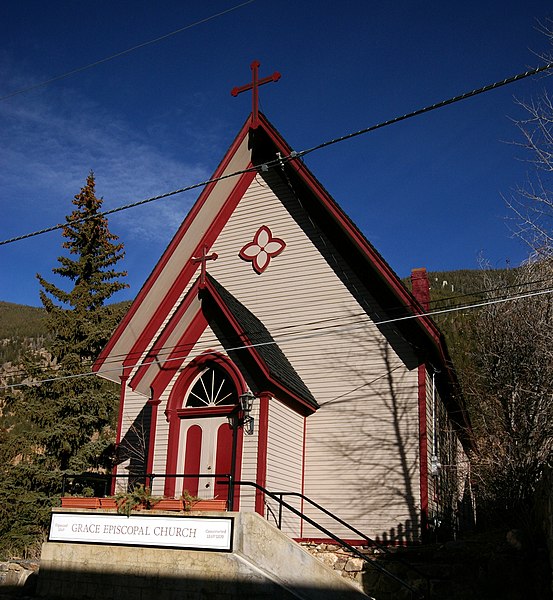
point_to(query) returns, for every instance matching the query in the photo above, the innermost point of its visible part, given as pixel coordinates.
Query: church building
(273, 344)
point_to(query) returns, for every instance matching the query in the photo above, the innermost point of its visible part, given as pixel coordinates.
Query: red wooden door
(206, 450)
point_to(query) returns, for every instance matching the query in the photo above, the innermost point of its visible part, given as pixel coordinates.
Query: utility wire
(281, 160)
(124, 207)
(426, 109)
(317, 325)
(489, 291)
(122, 53)
(338, 328)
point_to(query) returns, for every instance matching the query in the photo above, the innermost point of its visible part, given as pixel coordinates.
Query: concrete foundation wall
(264, 564)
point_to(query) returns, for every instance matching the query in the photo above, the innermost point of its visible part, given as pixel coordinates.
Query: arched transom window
(212, 387)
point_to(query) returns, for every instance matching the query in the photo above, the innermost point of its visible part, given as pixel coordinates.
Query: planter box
(163, 504)
(168, 504)
(209, 505)
(75, 502)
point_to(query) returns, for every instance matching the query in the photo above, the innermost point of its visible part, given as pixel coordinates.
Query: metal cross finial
(203, 261)
(254, 85)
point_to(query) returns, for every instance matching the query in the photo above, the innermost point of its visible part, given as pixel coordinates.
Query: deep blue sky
(426, 192)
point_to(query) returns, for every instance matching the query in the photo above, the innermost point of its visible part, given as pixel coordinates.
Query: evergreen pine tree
(76, 411)
(65, 422)
(78, 320)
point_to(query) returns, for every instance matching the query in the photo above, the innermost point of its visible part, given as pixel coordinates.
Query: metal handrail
(369, 540)
(334, 537)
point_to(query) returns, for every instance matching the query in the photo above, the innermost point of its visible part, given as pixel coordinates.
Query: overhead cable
(340, 329)
(122, 53)
(280, 160)
(323, 324)
(124, 207)
(427, 109)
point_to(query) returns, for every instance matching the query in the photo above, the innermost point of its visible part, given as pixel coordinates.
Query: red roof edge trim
(188, 270)
(189, 219)
(158, 345)
(351, 229)
(176, 358)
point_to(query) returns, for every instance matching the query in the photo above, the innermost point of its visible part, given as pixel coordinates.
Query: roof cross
(254, 85)
(203, 261)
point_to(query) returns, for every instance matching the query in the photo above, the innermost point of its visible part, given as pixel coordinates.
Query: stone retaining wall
(20, 575)
(341, 560)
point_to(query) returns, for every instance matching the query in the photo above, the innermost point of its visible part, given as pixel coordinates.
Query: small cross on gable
(203, 261)
(254, 85)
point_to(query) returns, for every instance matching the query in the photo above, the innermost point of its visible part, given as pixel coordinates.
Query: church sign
(191, 533)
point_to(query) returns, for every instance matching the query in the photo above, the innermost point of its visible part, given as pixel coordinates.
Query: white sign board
(194, 533)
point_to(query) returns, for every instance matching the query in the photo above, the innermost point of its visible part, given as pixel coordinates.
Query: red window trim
(208, 411)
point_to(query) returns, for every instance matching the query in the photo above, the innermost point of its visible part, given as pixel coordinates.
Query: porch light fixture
(246, 405)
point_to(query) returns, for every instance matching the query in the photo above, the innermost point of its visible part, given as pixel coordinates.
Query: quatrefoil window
(262, 249)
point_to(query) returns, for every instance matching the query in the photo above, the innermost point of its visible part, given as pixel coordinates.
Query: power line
(281, 340)
(322, 324)
(284, 336)
(281, 160)
(525, 284)
(432, 107)
(122, 53)
(124, 207)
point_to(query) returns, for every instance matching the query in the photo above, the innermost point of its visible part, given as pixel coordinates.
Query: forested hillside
(21, 328)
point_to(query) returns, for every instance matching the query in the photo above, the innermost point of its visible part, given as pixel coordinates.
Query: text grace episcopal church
(269, 292)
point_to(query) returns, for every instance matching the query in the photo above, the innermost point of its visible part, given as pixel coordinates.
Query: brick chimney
(421, 287)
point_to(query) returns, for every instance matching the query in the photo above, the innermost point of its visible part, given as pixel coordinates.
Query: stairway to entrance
(263, 564)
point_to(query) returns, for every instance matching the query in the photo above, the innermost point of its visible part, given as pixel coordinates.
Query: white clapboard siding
(446, 486)
(249, 463)
(161, 443)
(433, 405)
(464, 489)
(134, 429)
(362, 459)
(284, 463)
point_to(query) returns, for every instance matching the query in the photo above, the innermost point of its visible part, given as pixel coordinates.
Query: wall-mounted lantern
(246, 405)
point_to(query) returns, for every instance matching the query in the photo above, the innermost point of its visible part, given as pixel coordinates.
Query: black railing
(370, 542)
(415, 593)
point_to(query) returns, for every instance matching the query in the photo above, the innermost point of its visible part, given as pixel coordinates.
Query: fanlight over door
(212, 387)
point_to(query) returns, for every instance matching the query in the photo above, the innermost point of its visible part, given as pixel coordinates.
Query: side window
(212, 387)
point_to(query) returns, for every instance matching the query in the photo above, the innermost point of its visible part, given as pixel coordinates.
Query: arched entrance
(201, 439)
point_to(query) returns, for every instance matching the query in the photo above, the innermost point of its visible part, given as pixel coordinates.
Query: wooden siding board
(285, 461)
(431, 418)
(249, 463)
(334, 362)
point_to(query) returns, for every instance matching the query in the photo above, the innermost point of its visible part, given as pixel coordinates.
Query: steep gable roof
(250, 152)
(253, 332)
